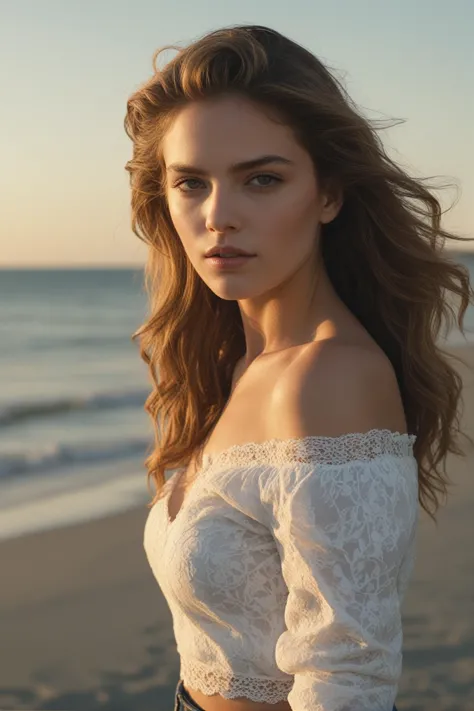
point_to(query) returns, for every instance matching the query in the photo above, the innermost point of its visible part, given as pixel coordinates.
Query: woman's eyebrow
(235, 168)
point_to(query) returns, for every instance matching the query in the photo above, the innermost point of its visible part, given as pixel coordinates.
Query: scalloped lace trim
(326, 450)
(210, 682)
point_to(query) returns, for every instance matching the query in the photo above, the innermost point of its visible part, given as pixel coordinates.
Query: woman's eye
(196, 180)
(188, 180)
(264, 175)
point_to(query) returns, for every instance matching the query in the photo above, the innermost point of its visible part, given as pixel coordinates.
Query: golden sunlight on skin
(273, 211)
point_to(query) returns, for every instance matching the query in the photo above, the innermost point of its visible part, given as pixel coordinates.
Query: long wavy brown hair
(384, 252)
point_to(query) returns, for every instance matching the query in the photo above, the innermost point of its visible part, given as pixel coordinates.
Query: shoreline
(85, 626)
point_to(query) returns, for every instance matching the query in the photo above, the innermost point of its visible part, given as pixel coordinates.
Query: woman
(308, 405)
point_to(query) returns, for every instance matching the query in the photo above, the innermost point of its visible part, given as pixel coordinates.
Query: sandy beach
(84, 625)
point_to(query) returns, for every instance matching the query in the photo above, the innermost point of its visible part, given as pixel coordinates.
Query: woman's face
(272, 210)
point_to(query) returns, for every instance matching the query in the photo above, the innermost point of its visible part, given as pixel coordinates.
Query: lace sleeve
(342, 533)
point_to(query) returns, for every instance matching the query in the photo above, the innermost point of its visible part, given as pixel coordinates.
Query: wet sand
(83, 624)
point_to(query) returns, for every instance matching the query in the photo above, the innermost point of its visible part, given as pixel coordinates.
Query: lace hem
(210, 681)
(325, 450)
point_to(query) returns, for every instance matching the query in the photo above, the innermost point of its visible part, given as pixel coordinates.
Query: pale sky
(67, 68)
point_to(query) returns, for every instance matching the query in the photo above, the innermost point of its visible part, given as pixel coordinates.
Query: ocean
(73, 431)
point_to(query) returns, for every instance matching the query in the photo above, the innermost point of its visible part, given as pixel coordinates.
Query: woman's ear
(332, 203)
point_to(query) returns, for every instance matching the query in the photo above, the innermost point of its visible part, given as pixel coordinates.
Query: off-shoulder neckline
(378, 437)
(338, 449)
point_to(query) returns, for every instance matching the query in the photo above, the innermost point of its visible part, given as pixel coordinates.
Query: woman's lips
(230, 262)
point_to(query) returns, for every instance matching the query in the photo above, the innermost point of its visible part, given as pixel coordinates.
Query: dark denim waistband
(184, 702)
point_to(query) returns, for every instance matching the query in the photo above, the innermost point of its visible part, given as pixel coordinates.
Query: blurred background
(83, 624)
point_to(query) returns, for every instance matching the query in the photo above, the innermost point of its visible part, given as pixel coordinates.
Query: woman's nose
(220, 213)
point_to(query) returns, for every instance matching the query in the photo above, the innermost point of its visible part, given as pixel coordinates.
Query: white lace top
(286, 566)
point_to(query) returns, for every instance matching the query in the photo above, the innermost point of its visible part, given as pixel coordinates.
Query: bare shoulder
(334, 389)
